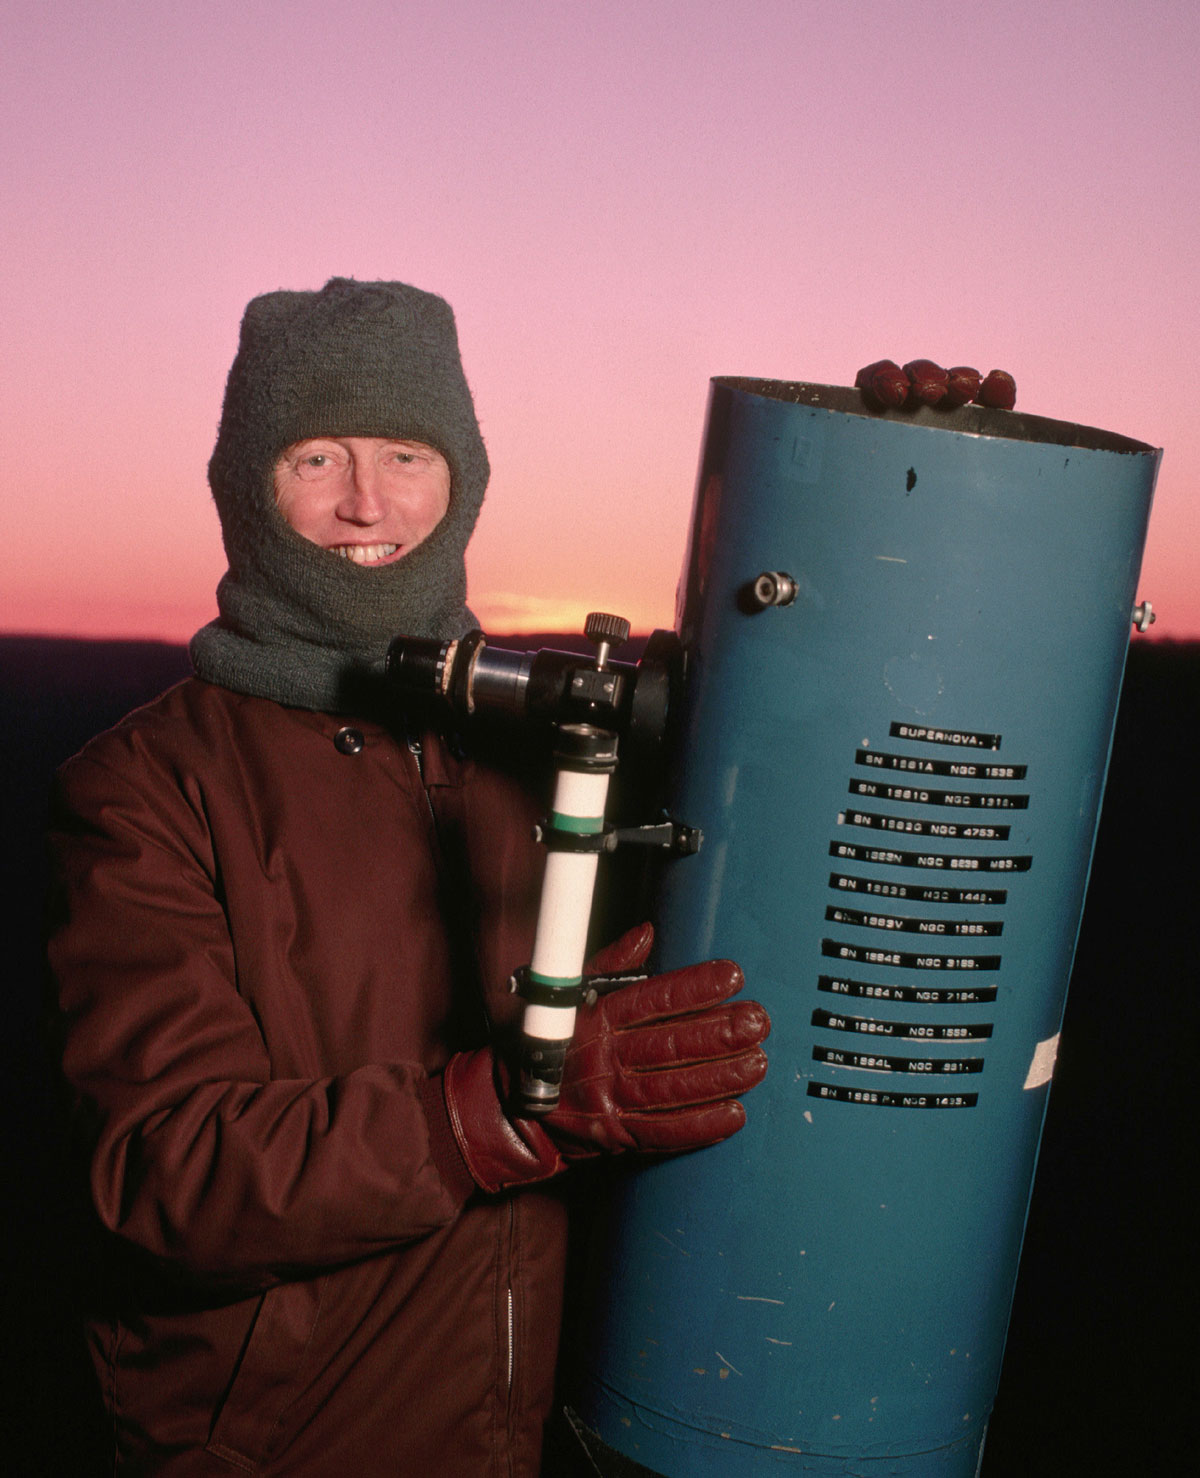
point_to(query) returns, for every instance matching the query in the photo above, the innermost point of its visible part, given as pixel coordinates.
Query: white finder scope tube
(574, 836)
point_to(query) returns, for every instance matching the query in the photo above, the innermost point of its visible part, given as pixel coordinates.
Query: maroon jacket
(263, 952)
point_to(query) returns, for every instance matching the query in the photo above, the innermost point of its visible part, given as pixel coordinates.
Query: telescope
(899, 645)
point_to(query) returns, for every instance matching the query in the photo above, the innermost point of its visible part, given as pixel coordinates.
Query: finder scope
(593, 709)
(546, 688)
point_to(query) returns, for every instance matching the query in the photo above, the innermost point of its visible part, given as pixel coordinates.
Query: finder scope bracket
(590, 988)
(668, 836)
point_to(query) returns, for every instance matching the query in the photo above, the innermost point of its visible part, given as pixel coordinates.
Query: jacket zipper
(418, 754)
(415, 748)
(511, 1301)
(510, 1339)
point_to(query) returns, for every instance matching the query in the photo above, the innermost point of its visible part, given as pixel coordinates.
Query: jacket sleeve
(196, 1154)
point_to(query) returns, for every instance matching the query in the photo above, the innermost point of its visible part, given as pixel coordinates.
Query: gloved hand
(922, 382)
(654, 1067)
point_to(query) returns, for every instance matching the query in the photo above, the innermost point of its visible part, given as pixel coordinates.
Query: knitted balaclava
(297, 623)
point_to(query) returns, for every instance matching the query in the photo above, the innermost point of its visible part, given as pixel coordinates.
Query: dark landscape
(1100, 1371)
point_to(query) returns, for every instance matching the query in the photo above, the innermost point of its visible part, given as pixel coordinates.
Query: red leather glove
(655, 1067)
(922, 382)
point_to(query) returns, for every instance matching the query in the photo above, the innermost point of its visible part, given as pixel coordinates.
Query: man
(284, 921)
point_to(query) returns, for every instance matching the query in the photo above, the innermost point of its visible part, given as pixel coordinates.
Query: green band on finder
(556, 982)
(583, 824)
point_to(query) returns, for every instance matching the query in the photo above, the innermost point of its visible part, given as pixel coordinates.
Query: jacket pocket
(267, 1377)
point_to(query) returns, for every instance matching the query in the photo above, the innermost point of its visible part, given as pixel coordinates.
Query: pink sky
(620, 200)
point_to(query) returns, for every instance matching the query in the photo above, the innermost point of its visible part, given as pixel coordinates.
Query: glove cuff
(497, 1153)
(443, 1143)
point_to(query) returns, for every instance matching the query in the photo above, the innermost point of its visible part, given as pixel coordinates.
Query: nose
(363, 500)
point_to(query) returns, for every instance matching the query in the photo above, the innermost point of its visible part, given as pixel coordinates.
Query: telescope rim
(964, 420)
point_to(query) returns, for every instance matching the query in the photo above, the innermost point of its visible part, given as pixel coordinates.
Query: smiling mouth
(365, 554)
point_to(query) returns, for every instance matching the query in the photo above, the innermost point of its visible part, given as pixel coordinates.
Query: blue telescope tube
(898, 776)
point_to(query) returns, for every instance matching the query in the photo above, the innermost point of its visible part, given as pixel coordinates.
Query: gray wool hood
(297, 623)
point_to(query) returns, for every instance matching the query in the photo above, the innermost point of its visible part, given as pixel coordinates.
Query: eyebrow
(293, 448)
(311, 441)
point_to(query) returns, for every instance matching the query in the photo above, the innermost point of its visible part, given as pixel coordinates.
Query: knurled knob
(601, 627)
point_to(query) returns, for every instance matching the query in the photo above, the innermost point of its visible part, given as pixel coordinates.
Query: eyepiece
(420, 666)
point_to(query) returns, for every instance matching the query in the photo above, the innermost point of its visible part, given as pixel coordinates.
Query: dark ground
(1100, 1373)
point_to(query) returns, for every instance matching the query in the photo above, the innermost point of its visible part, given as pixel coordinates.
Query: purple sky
(620, 200)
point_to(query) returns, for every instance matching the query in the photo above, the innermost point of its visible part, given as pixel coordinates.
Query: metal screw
(774, 588)
(605, 632)
(1144, 616)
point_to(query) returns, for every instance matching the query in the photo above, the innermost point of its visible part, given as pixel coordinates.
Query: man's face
(367, 498)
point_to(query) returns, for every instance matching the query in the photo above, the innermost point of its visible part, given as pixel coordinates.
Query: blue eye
(314, 466)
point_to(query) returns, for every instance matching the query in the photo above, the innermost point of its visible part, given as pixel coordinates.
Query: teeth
(365, 554)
